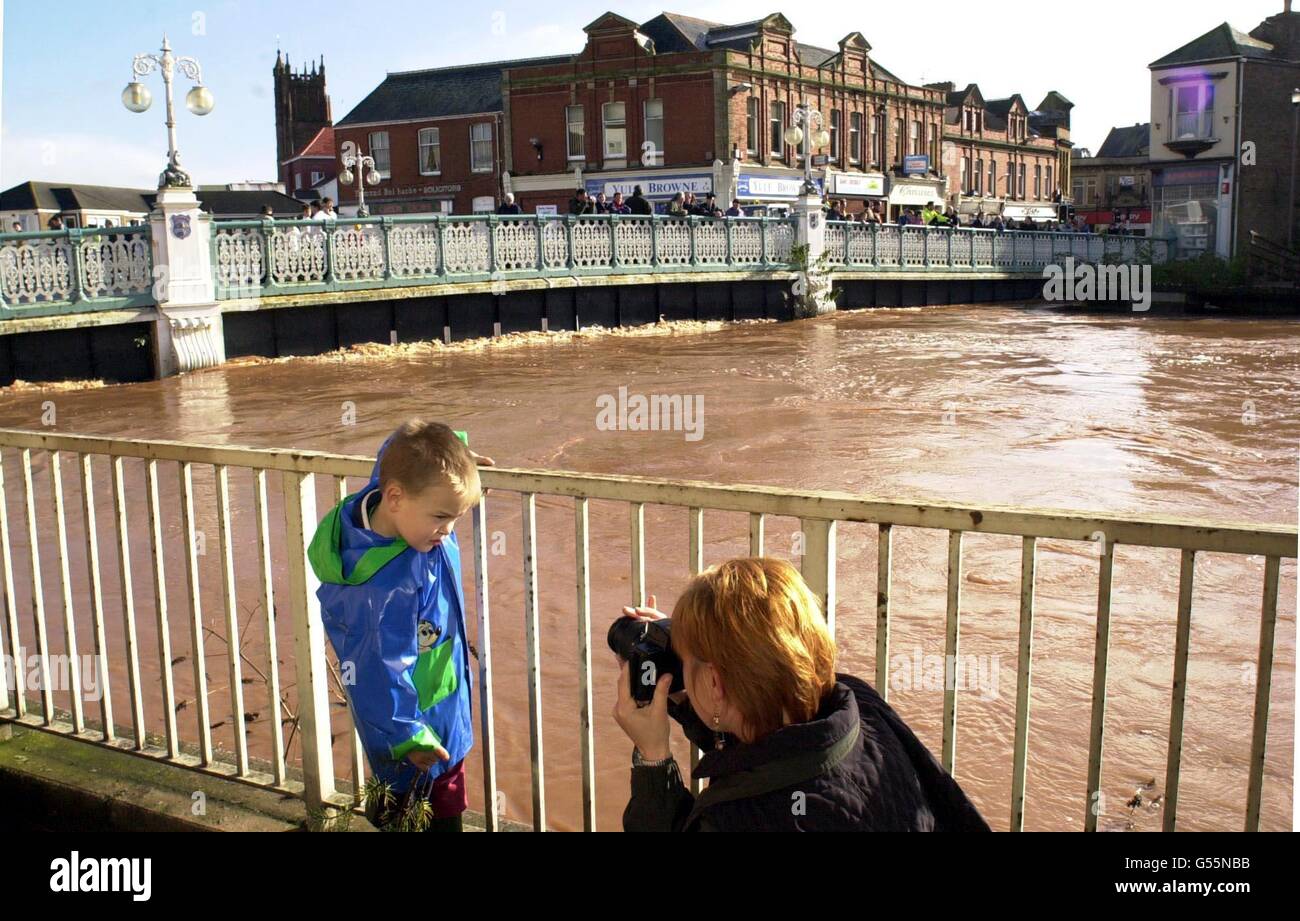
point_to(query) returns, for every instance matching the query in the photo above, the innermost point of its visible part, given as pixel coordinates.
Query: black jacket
(581, 207)
(637, 204)
(854, 767)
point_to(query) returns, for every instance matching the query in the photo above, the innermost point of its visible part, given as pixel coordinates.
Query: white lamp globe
(136, 96)
(199, 100)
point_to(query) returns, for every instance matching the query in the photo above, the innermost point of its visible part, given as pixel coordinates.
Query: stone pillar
(813, 286)
(188, 333)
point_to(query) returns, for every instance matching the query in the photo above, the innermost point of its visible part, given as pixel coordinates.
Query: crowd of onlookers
(684, 204)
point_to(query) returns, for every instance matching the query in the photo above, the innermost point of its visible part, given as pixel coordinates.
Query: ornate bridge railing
(255, 258)
(888, 246)
(72, 271)
(270, 257)
(76, 270)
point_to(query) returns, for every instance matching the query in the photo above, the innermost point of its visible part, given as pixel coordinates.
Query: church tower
(302, 107)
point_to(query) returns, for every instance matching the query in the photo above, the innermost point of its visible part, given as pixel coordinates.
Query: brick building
(1001, 157)
(1114, 187)
(436, 136)
(304, 132)
(678, 103)
(1222, 148)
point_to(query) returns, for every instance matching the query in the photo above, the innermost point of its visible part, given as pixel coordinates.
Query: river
(1006, 405)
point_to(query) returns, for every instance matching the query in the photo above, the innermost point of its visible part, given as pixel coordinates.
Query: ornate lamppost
(198, 100)
(797, 136)
(366, 172)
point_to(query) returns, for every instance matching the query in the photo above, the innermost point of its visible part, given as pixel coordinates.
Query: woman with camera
(789, 745)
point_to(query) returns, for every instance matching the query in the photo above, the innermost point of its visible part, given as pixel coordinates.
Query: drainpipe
(1236, 162)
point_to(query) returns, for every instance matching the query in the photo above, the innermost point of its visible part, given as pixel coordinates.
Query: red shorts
(448, 797)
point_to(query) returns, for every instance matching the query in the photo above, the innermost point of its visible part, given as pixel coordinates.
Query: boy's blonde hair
(759, 624)
(423, 454)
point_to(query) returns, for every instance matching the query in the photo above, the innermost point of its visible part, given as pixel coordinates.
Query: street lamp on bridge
(801, 137)
(198, 100)
(365, 171)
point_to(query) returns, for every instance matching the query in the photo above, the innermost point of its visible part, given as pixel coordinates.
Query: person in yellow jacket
(930, 215)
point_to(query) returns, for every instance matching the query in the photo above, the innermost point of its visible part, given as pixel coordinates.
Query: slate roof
(54, 196)
(439, 92)
(673, 32)
(61, 196)
(1223, 41)
(1127, 142)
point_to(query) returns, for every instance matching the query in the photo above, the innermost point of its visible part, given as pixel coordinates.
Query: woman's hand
(647, 727)
(648, 611)
(645, 612)
(480, 460)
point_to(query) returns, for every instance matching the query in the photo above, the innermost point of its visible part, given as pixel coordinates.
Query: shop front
(657, 188)
(858, 190)
(1192, 204)
(771, 193)
(968, 208)
(1136, 221)
(913, 194)
(1037, 214)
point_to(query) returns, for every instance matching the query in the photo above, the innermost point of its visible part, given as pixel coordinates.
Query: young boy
(393, 608)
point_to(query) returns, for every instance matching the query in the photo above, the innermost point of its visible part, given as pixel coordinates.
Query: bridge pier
(188, 331)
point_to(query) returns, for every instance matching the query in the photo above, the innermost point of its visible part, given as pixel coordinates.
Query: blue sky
(67, 61)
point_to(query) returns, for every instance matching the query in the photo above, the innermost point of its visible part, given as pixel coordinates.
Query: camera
(647, 647)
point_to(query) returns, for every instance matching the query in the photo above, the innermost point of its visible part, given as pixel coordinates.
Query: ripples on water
(992, 405)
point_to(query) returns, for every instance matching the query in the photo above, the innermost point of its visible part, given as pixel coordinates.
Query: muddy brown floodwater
(999, 405)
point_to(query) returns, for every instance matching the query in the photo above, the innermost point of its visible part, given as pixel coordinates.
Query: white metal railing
(94, 266)
(289, 476)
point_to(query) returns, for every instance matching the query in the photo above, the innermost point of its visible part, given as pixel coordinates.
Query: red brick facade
(408, 189)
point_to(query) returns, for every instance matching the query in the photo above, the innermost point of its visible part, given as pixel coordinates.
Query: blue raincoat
(395, 617)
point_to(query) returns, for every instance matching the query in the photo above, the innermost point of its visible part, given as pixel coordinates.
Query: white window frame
(422, 146)
(753, 105)
(1203, 114)
(382, 154)
(776, 128)
(836, 119)
(575, 124)
(607, 125)
(480, 140)
(855, 137)
(646, 119)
